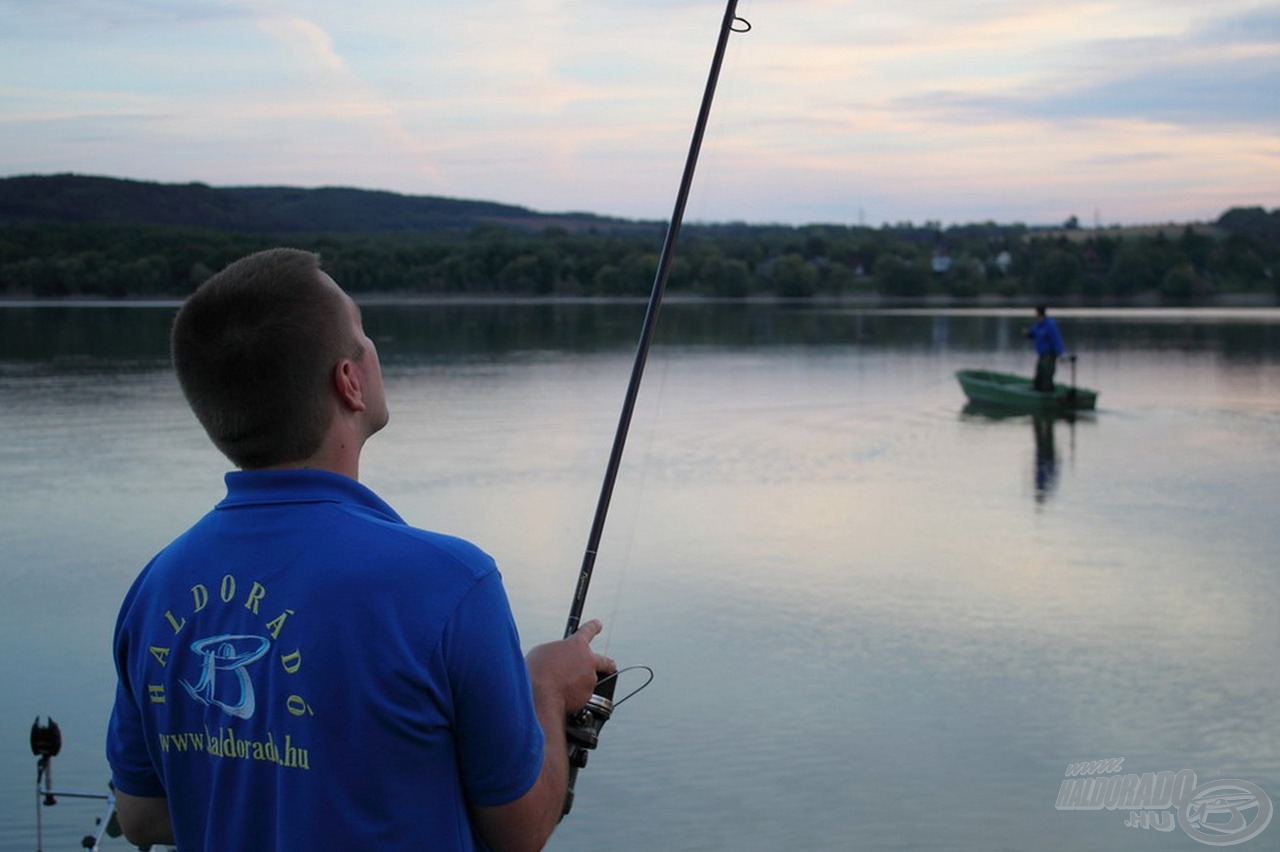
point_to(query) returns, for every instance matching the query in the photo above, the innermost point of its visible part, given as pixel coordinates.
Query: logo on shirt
(222, 672)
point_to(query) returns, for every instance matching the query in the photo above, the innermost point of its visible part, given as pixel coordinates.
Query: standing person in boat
(1047, 340)
(301, 669)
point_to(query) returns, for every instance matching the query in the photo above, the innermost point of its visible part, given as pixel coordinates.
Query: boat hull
(1007, 391)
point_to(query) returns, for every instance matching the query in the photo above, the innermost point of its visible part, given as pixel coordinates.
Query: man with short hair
(1048, 343)
(301, 669)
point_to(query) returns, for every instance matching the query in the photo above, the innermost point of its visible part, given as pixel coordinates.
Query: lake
(877, 620)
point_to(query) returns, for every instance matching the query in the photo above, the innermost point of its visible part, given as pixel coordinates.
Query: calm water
(878, 622)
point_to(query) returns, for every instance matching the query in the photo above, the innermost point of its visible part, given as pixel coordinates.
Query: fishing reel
(582, 729)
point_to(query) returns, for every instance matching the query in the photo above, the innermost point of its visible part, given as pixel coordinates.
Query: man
(301, 669)
(1048, 342)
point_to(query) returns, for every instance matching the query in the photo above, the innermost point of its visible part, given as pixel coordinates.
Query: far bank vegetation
(1233, 260)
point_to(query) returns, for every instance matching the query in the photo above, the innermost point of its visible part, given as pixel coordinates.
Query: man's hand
(567, 670)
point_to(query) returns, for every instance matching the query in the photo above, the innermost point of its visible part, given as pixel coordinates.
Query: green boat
(1010, 392)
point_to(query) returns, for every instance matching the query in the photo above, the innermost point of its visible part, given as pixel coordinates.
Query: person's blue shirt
(302, 670)
(1046, 337)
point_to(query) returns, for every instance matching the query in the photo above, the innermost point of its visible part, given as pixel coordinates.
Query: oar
(1071, 394)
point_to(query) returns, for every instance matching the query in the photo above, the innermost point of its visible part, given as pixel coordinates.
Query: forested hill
(74, 236)
(68, 198)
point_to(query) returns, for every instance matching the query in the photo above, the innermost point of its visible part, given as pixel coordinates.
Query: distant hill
(1253, 222)
(33, 199)
(99, 237)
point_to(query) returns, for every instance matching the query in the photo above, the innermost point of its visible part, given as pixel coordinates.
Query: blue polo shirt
(1046, 337)
(302, 670)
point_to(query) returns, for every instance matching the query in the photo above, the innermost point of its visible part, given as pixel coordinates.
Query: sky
(828, 111)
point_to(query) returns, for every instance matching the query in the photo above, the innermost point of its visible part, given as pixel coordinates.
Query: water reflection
(132, 332)
(801, 512)
(1046, 467)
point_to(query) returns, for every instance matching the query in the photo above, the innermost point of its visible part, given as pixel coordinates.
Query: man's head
(1041, 310)
(256, 347)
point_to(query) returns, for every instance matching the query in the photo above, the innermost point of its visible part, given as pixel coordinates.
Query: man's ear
(347, 383)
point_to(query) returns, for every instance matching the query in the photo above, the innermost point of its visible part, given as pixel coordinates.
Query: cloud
(78, 17)
(1259, 25)
(908, 109)
(1219, 71)
(306, 38)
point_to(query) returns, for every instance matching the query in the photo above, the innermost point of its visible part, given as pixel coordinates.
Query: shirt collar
(276, 487)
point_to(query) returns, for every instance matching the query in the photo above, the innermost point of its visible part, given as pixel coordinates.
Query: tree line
(1175, 265)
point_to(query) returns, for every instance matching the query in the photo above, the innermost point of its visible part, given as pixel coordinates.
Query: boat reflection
(1045, 470)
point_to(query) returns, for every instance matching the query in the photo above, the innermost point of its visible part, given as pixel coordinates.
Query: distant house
(941, 261)
(1003, 261)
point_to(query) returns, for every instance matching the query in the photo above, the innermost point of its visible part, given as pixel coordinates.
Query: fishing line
(731, 23)
(582, 729)
(625, 560)
(720, 162)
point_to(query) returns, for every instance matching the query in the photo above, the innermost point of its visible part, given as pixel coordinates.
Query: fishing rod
(583, 727)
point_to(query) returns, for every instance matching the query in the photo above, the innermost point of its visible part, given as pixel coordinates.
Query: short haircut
(254, 347)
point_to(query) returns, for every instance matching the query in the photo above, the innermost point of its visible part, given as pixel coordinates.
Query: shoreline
(870, 301)
(1224, 303)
